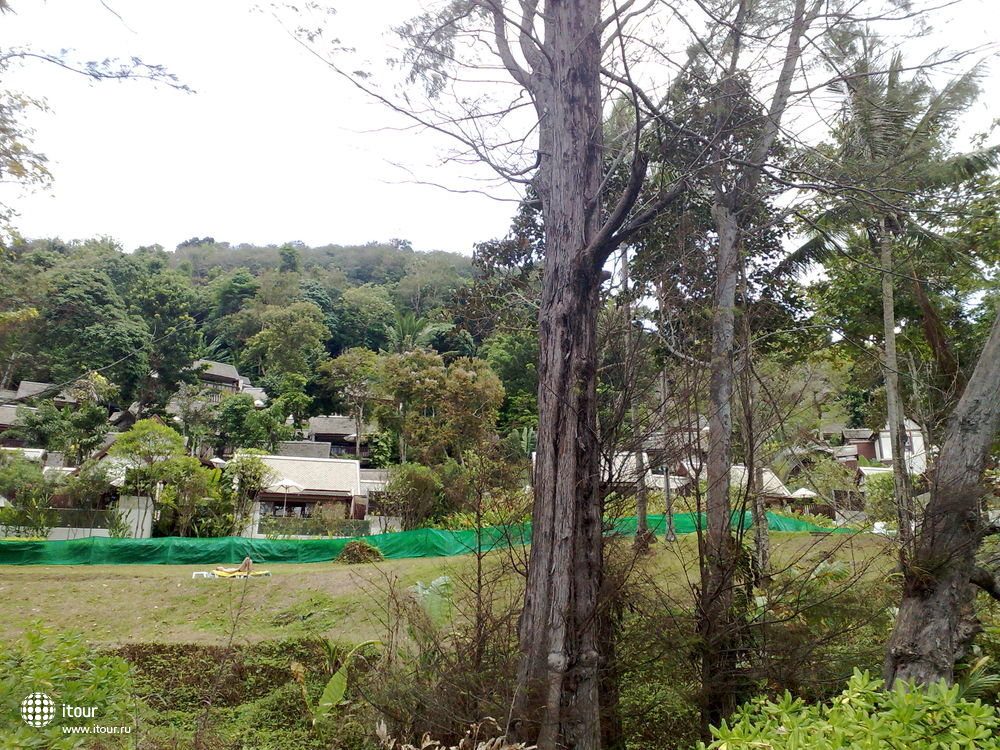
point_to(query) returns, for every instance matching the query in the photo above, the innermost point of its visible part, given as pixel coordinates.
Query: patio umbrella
(286, 486)
(803, 492)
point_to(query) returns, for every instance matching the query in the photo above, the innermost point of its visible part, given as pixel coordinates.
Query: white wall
(138, 514)
(62, 533)
(915, 454)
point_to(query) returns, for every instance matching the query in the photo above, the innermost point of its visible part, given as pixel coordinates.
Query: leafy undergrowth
(865, 717)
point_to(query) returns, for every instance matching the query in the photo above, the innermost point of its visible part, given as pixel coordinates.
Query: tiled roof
(315, 475)
(8, 414)
(304, 449)
(29, 389)
(859, 434)
(335, 424)
(216, 369)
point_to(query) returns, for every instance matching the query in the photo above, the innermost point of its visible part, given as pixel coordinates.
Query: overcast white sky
(272, 147)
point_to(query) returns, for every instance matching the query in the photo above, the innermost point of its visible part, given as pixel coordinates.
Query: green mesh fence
(403, 544)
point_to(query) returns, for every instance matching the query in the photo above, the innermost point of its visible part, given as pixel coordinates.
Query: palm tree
(408, 332)
(890, 154)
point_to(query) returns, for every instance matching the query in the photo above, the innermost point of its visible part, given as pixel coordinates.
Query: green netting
(404, 544)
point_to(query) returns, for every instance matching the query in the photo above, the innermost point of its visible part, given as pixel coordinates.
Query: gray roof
(216, 369)
(335, 424)
(30, 388)
(8, 414)
(303, 449)
(859, 434)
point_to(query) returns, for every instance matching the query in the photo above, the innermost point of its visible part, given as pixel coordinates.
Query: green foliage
(87, 486)
(383, 449)
(335, 689)
(85, 327)
(437, 410)
(242, 481)
(190, 502)
(75, 430)
(880, 495)
(408, 332)
(363, 313)
(147, 448)
(240, 424)
(413, 494)
(350, 380)
(865, 717)
(29, 494)
(147, 442)
(290, 342)
(514, 358)
(71, 673)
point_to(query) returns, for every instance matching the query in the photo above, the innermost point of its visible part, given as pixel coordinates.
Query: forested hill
(72, 307)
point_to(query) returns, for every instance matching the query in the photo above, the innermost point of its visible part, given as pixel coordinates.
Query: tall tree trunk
(718, 548)
(642, 535)
(761, 537)
(669, 534)
(890, 368)
(937, 336)
(359, 416)
(936, 623)
(558, 703)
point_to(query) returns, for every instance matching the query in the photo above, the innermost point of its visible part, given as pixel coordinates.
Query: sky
(271, 147)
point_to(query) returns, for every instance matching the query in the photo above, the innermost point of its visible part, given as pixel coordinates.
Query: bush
(359, 551)
(864, 717)
(71, 673)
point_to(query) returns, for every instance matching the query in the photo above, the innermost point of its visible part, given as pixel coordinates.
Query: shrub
(71, 673)
(864, 717)
(359, 551)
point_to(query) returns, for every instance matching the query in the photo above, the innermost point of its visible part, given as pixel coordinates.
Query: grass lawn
(117, 604)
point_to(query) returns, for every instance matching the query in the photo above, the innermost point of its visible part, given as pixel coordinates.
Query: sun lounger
(232, 574)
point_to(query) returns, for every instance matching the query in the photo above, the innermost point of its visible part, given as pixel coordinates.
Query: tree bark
(717, 553)
(558, 703)
(936, 620)
(890, 369)
(937, 336)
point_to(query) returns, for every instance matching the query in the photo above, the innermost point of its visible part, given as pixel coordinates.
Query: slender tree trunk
(890, 368)
(669, 534)
(936, 335)
(359, 416)
(558, 703)
(718, 553)
(642, 536)
(936, 622)
(761, 537)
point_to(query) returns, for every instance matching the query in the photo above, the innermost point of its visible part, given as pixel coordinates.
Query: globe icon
(37, 710)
